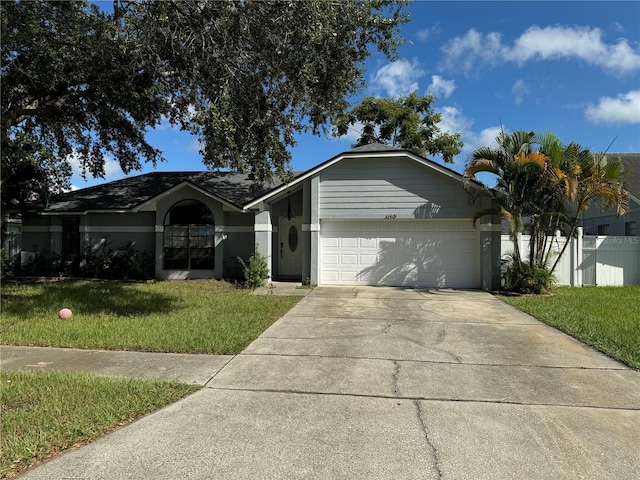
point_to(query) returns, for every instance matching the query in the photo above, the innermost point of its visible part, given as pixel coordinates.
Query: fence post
(578, 259)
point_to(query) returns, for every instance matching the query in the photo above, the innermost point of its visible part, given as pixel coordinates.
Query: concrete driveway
(389, 383)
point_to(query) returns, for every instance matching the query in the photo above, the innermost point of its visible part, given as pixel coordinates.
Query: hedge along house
(374, 215)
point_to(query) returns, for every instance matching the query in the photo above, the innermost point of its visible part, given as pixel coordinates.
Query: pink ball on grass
(65, 313)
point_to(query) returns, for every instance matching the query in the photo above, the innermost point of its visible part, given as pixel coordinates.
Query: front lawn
(191, 316)
(608, 318)
(47, 412)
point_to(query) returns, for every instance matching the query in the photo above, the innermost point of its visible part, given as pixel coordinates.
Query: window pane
(176, 258)
(293, 238)
(189, 237)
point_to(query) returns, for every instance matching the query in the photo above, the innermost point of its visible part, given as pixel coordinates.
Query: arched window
(189, 237)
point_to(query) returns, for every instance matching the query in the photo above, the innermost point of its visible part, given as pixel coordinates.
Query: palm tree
(546, 182)
(584, 177)
(519, 167)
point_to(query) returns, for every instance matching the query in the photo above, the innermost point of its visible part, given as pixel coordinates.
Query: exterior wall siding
(379, 188)
(237, 241)
(115, 230)
(594, 217)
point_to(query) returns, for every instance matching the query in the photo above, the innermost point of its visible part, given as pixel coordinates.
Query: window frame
(189, 246)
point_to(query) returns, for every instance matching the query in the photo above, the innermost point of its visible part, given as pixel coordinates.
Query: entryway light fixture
(290, 211)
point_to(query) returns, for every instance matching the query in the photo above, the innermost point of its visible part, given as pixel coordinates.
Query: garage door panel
(368, 259)
(400, 253)
(330, 242)
(368, 243)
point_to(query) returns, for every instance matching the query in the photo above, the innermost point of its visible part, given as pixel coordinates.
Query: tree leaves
(243, 76)
(546, 182)
(408, 122)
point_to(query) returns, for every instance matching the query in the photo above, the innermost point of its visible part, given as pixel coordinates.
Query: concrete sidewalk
(185, 368)
(384, 383)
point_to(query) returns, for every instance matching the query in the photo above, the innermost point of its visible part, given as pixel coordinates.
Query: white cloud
(625, 108)
(453, 121)
(485, 138)
(398, 78)
(424, 33)
(475, 50)
(519, 90)
(354, 132)
(441, 87)
(195, 146)
(112, 168)
(72, 188)
(463, 53)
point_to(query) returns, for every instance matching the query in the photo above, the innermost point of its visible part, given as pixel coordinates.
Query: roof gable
(379, 150)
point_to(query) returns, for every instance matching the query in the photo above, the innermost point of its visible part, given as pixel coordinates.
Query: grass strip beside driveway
(47, 412)
(191, 316)
(607, 318)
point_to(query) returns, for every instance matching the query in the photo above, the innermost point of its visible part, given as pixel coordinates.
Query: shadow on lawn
(88, 298)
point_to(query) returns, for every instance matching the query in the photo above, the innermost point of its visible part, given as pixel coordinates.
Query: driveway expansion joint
(413, 398)
(219, 370)
(435, 362)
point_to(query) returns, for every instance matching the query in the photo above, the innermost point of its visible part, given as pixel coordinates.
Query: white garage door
(415, 253)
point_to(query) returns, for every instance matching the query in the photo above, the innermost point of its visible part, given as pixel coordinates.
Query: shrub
(43, 263)
(124, 263)
(95, 261)
(256, 271)
(524, 278)
(5, 262)
(127, 263)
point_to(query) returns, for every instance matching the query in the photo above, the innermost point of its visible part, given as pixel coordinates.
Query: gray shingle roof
(236, 188)
(631, 165)
(373, 147)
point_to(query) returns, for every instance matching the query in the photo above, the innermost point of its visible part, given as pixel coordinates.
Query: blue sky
(572, 68)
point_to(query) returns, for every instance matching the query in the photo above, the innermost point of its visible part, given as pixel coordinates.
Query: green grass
(46, 412)
(194, 316)
(607, 318)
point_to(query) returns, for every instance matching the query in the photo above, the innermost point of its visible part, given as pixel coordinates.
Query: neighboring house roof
(631, 164)
(127, 194)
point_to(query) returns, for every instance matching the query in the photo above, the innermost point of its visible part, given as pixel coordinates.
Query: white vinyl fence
(590, 260)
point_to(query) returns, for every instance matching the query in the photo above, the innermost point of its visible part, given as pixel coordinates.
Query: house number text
(391, 216)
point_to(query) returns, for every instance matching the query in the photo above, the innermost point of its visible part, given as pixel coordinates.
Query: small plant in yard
(256, 270)
(523, 278)
(306, 284)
